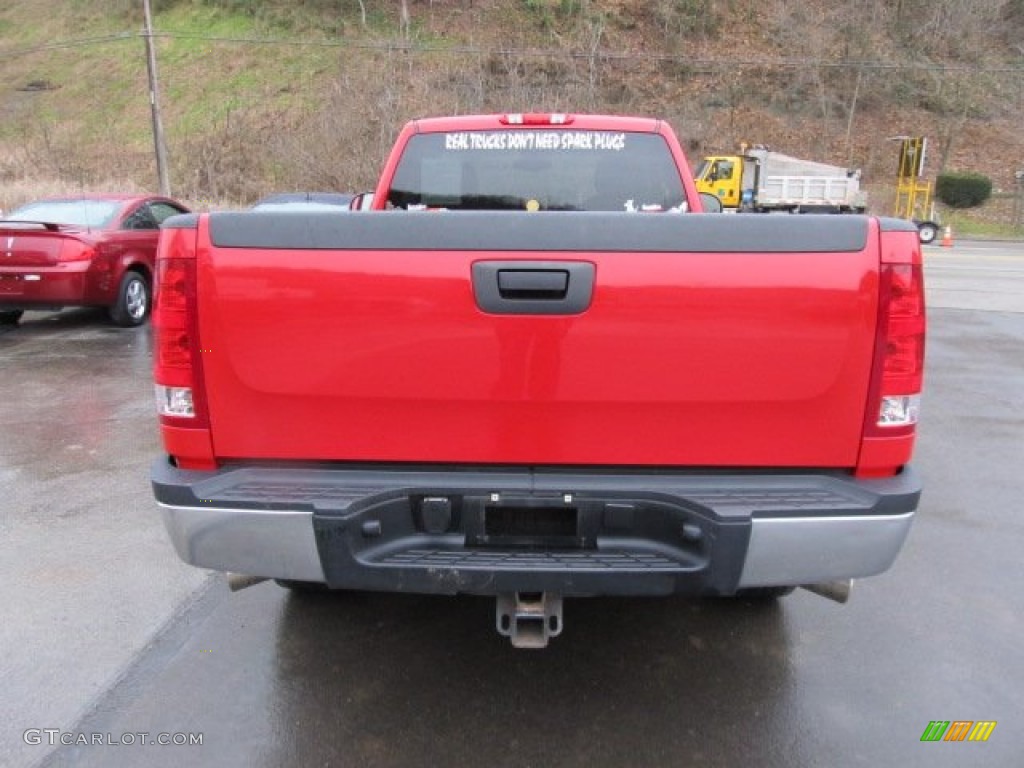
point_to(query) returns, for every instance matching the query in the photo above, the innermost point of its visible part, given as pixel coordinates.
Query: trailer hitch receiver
(529, 619)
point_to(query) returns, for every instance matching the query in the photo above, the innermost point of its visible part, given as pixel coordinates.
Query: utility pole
(154, 105)
(1018, 203)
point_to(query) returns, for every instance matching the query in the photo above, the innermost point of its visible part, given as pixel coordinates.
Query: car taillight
(177, 362)
(75, 251)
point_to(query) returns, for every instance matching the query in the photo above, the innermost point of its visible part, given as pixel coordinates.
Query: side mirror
(361, 202)
(710, 203)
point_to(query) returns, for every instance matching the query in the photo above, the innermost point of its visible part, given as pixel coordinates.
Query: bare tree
(594, 45)
(405, 21)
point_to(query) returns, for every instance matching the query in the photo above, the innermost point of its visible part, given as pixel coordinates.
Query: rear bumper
(506, 530)
(49, 287)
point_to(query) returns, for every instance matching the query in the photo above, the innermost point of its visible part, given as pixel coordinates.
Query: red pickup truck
(580, 385)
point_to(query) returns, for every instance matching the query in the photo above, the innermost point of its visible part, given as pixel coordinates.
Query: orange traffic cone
(947, 238)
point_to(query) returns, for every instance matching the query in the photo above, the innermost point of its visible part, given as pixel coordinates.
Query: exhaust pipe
(239, 581)
(833, 590)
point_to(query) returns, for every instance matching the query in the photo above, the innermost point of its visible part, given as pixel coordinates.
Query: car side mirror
(710, 203)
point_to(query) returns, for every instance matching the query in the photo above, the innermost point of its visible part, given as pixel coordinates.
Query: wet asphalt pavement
(273, 679)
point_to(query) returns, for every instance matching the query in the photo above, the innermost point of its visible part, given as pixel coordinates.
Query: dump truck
(761, 181)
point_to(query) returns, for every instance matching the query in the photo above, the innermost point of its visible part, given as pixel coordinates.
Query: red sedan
(87, 251)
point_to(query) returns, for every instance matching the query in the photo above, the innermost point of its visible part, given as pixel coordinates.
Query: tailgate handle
(533, 283)
(533, 287)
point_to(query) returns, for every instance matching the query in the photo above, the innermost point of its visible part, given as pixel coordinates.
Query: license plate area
(530, 521)
(528, 524)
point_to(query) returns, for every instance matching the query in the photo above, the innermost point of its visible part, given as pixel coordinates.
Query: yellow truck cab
(720, 176)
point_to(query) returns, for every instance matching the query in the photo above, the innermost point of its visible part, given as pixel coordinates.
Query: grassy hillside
(260, 96)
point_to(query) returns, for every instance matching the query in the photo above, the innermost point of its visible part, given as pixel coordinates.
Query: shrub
(963, 190)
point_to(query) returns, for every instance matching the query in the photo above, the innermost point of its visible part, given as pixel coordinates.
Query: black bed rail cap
(547, 231)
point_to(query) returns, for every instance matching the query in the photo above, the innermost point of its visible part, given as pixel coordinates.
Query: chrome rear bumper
(637, 533)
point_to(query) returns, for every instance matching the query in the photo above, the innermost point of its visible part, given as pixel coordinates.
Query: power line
(604, 55)
(63, 44)
(412, 47)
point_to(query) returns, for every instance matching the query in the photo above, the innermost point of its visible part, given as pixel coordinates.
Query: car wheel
(11, 317)
(133, 300)
(927, 232)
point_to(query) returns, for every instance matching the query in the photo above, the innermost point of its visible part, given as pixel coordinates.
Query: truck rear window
(548, 170)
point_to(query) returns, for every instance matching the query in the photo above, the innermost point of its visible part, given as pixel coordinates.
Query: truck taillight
(177, 362)
(174, 335)
(897, 368)
(901, 350)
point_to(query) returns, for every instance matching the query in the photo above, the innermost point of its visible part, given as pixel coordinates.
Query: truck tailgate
(708, 340)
